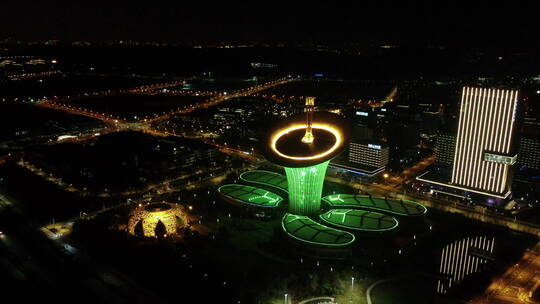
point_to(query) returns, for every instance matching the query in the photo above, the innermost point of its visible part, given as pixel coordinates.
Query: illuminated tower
(484, 153)
(304, 149)
(310, 104)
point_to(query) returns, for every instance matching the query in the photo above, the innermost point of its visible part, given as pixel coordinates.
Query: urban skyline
(205, 153)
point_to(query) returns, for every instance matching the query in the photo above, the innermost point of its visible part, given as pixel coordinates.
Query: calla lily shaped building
(304, 147)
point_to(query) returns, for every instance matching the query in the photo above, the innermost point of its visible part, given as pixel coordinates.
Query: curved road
(370, 288)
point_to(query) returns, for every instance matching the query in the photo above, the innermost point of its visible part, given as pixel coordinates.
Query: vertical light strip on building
(504, 137)
(469, 126)
(486, 124)
(512, 118)
(472, 137)
(496, 138)
(465, 134)
(487, 165)
(491, 113)
(478, 172)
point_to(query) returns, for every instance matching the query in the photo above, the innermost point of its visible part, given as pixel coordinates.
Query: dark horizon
(384, 24)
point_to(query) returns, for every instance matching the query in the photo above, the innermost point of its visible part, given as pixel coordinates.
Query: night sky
(261, 21)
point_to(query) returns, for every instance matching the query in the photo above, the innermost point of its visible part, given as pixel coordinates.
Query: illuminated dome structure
(304, 145)
(156, 220)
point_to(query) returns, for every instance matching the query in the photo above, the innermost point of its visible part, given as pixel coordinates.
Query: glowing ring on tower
(280, 133)
(283, 143)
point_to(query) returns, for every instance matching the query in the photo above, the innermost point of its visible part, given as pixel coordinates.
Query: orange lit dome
(156, 219)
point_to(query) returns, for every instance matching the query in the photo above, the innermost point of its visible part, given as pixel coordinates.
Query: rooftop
(306, 230)
(359, 220)
(389, 205)
(267, 178)
(250, 195)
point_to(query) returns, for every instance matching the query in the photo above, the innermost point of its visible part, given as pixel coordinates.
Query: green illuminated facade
(390, 205)
(305, 188)
(304, 151)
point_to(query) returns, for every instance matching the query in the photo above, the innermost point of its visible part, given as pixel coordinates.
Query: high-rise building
(528, 151)
(445, 149)
(485, 155)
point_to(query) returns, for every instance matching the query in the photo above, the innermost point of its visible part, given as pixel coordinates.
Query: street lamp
(285, 298)
(352, 287)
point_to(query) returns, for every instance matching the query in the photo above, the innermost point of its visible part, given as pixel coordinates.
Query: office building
(485, 155)
(369, 155)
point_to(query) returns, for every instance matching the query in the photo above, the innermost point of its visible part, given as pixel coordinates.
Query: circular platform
(284, 144)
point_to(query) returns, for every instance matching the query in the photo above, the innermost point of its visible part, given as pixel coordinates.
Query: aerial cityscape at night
(201, 153)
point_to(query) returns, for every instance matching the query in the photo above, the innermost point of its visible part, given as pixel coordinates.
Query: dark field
(121, 162)
(68, 85)
(19, 120)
